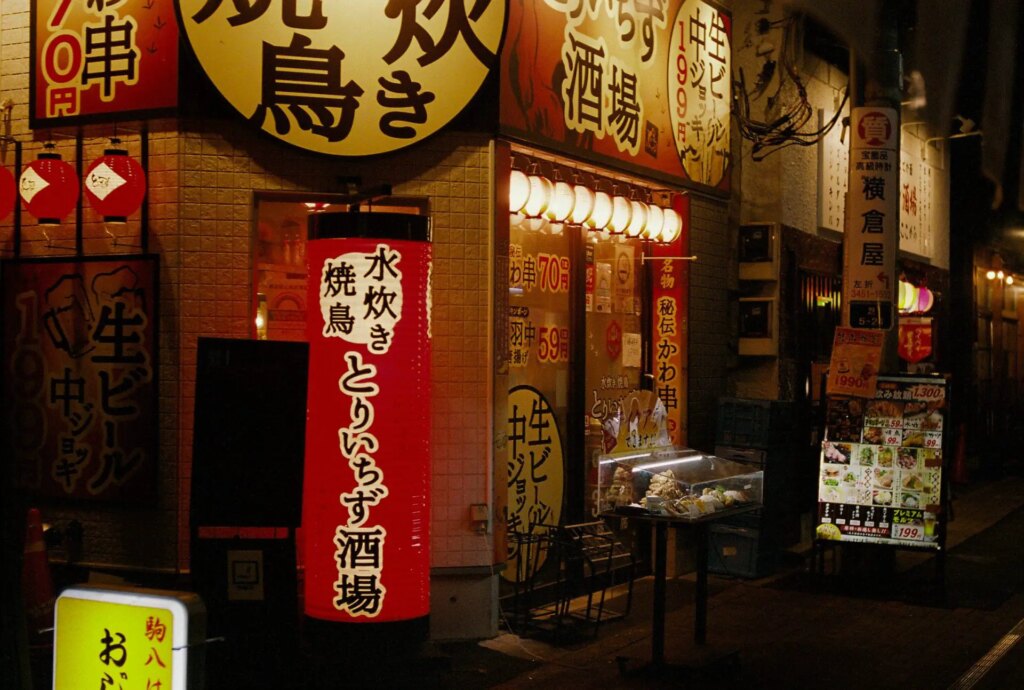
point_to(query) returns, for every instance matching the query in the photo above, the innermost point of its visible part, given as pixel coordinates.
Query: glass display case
(676, 482)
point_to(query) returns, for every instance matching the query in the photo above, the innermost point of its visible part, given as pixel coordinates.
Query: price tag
(912, 531)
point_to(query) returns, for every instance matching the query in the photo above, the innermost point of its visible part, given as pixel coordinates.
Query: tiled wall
(202, 179)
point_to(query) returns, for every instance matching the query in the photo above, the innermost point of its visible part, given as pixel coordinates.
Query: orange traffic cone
(37, 584)
(960, 457)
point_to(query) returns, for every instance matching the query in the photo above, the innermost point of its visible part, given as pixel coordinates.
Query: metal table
(661, 524)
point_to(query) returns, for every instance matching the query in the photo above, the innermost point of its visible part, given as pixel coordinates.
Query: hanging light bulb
(672, 227)
(562, 201)
(540, 196)
(602, 213)
(991, 275)
(584, 205)
(1009, 280)
(655, 221)
(638, 222)
(622, 213)
(518, 191)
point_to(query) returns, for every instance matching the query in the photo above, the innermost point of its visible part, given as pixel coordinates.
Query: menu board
(880, 474)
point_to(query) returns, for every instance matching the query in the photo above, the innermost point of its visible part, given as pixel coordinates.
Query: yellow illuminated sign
(121, 638)
(346, 77)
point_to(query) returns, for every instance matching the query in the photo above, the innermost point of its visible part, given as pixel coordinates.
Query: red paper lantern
(365, 505)
(115, 185)
(49, 188)
(8, 189)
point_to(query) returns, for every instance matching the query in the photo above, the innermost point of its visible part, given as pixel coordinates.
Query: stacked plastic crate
(761, 433)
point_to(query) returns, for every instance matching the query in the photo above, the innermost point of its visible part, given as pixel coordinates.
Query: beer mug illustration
(69, 319)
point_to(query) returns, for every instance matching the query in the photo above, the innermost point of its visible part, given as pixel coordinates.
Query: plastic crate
(746, 423)
(741, 552)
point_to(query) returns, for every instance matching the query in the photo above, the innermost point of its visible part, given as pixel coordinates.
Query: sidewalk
(864, 626)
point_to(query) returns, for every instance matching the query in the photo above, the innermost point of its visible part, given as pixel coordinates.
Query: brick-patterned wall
(202, 179)
(711, 325)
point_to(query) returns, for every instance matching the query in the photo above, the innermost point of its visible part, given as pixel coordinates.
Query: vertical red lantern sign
(365, 513)
(115, 184)
(8, 192)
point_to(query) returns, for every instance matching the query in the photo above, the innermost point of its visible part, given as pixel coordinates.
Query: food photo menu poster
(880, 474)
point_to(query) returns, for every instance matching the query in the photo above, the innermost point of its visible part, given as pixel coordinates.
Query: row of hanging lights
(913, 299)
(114, 185)
(535, 196)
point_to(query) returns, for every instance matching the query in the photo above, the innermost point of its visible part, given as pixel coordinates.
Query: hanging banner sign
(881, 465)
(102, 58)
(915, 342)
(853, 370)
(80, 345)
(669, 326)
(365, 508)
(871, 239)
(347, 77)
(644, 86)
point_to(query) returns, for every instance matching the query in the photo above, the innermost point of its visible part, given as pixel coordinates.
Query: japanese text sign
(881, 465)
(346, 77)
(669, 328)
(366, 487)
(80, 340)
(102, 57)
(872, 218)
(856, 353)
(638, 84)
(535, 479)
(915, 339)
(124, 638)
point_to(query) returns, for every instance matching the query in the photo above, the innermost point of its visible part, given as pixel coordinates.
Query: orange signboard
(102, 58)
(856, 353)
(644, 86)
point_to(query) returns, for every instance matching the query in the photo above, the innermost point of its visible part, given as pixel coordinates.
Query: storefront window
(548, 312)
(540, 340)
(615, 343)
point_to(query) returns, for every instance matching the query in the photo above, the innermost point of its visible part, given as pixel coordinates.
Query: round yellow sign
(346, 77)
(536, 478)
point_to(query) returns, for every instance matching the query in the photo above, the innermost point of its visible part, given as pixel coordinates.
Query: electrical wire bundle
(788, 128)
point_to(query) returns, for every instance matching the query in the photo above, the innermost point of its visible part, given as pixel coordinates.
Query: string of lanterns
(114, 185)
(537, 197)
(913, 299)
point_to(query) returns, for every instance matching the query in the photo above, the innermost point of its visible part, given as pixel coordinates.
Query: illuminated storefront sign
(669, 326)
(125, 638)
(102, 57)
(365, 501)
(641, 84)
(872, 219)
(80, 339)
(346, 78)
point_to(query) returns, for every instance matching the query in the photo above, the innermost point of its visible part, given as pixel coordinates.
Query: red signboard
(365, 509)
(644, 86)
(915, 339)
(102, 58)
(669, 323)
(79, 356)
